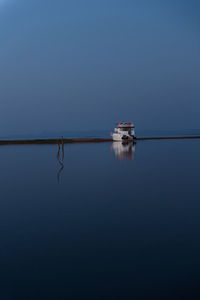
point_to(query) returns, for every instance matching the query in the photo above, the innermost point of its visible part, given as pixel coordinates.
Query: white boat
(124, 132)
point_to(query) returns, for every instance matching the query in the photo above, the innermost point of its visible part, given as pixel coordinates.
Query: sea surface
(100, 221)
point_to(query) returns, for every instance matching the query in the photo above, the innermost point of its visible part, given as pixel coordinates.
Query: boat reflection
(124, 150)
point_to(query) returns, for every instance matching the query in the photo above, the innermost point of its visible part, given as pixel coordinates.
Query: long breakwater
(87, 140)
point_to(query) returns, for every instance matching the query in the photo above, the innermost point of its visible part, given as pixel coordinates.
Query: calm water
(115, 223)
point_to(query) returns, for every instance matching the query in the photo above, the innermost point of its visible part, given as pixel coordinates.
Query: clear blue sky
(74, 64)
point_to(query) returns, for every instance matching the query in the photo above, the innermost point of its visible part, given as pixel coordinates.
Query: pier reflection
(124, 150)
(60, 158)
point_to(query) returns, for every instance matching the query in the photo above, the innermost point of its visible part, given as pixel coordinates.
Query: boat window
(124, 129)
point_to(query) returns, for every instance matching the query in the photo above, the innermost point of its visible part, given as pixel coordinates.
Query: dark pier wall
(85, 140)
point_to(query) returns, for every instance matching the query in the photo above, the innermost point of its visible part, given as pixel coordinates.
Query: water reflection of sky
(109, 229)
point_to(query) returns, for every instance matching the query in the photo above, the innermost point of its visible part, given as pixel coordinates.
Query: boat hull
(122, 138)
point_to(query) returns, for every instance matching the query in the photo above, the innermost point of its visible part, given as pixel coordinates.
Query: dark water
(115, 223)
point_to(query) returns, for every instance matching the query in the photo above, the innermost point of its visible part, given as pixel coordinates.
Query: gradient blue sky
(74, 64)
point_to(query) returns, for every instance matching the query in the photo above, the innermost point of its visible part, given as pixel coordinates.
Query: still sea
(100, 221)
